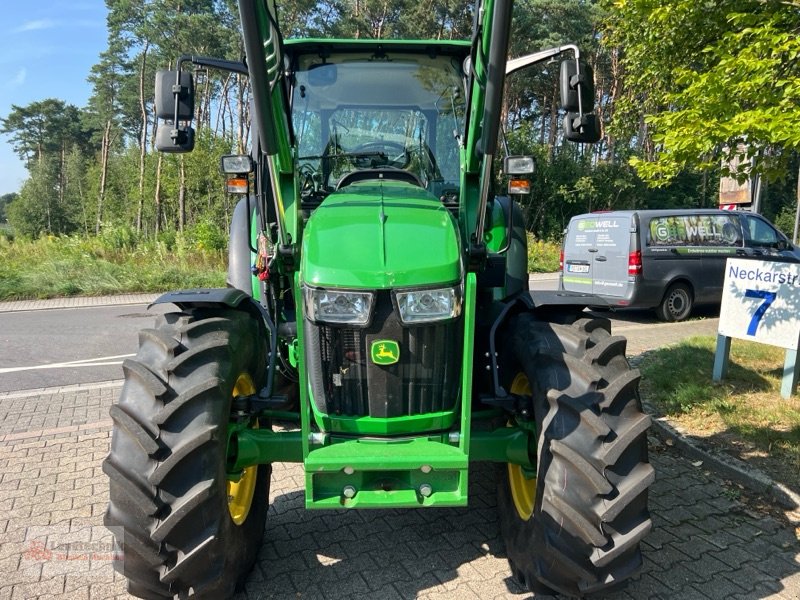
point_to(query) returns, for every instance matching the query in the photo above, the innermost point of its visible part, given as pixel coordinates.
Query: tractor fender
(221, 298)
(239, 254)
(517, 254)
(232, 298)
(548, 299)
(544, 305)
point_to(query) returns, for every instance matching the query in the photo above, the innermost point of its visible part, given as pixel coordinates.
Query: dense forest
(677, 84)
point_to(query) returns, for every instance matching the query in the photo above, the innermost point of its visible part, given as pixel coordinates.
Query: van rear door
(578, 245)
(596, 252)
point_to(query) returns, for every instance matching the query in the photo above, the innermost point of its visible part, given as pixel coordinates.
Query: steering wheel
(395, 155)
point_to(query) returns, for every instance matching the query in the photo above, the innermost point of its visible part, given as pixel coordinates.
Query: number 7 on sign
(768, 298)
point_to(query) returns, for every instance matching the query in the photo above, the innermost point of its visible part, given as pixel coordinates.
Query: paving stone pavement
(706, 544)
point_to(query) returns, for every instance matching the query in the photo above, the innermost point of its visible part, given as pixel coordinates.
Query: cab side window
(761, 233)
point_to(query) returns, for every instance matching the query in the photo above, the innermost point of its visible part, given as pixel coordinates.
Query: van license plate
(578, 268)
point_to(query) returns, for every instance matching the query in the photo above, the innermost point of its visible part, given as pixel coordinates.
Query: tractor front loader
(378, 309)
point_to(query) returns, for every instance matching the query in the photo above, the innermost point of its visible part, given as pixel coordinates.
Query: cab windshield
(357, 112)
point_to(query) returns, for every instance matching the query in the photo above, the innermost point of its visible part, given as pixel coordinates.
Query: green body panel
(377, 426)
(368, 465)
(386, 474)
(380, 235)
(413, 45)
(496, 232)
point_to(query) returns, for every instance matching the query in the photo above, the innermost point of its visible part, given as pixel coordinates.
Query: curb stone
(727, 466)
(723, 464)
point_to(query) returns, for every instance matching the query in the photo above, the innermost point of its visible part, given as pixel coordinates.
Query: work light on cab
(237, 168)
(519, 169)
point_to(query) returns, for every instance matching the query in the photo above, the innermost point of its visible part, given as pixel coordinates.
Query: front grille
(344, 381)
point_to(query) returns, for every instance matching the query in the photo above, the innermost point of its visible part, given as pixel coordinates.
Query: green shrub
(542, 255)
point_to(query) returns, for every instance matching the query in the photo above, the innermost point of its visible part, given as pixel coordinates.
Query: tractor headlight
(338, 306)
(422, 306)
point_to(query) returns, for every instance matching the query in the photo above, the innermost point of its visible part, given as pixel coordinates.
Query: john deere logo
(385, 352)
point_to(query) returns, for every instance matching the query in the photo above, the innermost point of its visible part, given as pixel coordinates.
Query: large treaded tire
(166, 467)
(590, 508)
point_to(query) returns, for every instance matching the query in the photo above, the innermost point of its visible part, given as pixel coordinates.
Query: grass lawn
(75, 266)
(744, 413)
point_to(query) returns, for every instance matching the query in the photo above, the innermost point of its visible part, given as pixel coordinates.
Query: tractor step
(369, 473)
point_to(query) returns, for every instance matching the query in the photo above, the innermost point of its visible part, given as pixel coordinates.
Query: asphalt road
(57, 347)
(47, 348)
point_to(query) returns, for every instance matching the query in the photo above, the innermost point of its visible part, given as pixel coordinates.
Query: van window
(695, 230)
(761, 233)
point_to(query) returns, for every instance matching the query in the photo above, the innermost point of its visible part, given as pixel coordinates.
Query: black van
(668, 260)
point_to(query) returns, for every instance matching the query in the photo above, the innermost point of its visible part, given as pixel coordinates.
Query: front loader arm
(271, 114)
(486, 81)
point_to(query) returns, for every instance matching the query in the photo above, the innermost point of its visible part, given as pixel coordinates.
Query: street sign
(761, 302)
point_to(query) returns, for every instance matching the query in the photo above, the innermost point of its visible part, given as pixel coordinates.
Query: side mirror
(168, 89)
(174, 139)
(582, 129)
(571, 84)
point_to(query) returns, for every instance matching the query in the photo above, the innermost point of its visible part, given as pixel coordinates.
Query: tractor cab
(377, 110)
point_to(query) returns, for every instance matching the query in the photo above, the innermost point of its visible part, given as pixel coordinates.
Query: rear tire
(587, 513)
(677, 304)
(169, 492)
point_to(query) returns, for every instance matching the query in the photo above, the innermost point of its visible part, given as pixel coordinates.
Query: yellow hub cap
(523, 490)
(240, 493)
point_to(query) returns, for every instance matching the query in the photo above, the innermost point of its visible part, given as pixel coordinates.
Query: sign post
(760, 302)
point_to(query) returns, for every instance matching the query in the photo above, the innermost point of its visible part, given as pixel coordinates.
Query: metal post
(797, 212)
(721, 357)
(790, 374)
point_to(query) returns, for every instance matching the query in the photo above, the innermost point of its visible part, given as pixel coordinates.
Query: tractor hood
(379, 235)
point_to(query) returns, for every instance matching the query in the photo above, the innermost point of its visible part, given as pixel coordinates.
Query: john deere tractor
(377, 327)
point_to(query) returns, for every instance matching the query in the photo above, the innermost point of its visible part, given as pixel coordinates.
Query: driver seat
(379, 173)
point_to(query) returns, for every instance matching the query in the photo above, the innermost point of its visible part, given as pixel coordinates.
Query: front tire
(184, 529)
(677, 304)
(576, 527)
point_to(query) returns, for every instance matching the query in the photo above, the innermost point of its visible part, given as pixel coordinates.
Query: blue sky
(46, 50)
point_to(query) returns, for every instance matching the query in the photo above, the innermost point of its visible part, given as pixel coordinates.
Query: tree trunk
(62, 174)
(157, 197)
(543, 125)
(104, 151)
(142, 137)
(551, 138)
(182, 195)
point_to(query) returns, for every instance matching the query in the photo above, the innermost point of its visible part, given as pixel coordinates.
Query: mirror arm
(516, 64)
(231, 66)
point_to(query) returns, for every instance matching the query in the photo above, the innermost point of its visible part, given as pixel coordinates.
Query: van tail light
(635, 263)
(561, 260)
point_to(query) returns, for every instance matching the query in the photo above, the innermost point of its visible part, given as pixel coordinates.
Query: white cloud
(18, 79)
(35, 25)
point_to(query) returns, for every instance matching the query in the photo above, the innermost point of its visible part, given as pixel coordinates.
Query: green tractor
(377, 327)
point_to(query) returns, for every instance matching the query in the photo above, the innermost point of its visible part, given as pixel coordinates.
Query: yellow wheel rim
(523, 490)
(240, 493)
